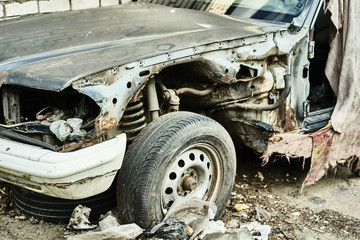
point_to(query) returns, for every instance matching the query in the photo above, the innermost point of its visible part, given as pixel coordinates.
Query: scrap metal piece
(24, 139)
(28, 127)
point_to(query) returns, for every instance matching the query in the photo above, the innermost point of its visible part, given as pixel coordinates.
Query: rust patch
(78, 182)
(227, 78)
(102, 126)
(275, 138)
(136, 97)
(78, 145)
(249, 79)
(289, 123)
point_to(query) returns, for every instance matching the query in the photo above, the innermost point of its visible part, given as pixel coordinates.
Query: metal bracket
(311, 50)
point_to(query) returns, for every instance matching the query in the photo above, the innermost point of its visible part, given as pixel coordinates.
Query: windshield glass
(273, 10)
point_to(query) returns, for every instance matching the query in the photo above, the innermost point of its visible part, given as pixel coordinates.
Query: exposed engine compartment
(29, 113)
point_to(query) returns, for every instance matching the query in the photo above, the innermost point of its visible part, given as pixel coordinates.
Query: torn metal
(250, 76)
(338, 140)
(222, 77)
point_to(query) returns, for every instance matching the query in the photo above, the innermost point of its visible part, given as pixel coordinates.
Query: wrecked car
(155, 98)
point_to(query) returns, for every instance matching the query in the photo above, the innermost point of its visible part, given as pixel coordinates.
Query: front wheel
(179, 154)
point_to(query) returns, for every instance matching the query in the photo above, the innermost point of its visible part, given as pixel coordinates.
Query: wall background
(15, 8)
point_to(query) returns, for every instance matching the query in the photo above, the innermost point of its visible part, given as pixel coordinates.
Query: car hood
(49, 51)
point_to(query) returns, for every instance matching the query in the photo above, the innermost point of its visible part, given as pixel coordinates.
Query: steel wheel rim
(196, 172)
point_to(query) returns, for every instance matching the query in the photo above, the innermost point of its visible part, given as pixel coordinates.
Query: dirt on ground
(274, 196)
(271, 195)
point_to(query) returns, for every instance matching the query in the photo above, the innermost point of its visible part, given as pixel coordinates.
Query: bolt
(189, 183)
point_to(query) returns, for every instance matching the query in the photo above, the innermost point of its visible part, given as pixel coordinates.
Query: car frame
(249, 75)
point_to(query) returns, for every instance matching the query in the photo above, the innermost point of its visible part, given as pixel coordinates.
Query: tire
(179, 154)
(59, 210)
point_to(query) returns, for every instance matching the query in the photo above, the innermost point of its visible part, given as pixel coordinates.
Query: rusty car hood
(49, 51)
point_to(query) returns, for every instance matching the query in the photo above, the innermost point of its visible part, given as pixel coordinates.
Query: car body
(118, 69)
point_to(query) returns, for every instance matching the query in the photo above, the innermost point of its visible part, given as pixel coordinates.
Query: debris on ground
(258, 230)
(193, 212)
(109, 228)
(121, 232)
(231, 234)
(79, 219)
(324, 211)
(262, 214)
(5, 198)
(241, 206)
(213, 227)
(198, 215)
(187, 219)
(171, 228)
(108, 221)
(233, 223)
(260, 176)
(278, 204)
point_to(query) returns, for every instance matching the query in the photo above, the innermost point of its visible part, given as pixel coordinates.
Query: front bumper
(71, 175)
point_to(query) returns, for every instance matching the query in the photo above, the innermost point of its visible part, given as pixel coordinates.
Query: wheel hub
(195, 172)
(188, 182)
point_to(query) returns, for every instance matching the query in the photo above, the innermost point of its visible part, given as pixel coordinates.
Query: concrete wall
(14, 8)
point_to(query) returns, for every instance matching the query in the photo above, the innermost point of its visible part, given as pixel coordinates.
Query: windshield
(272, 10)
